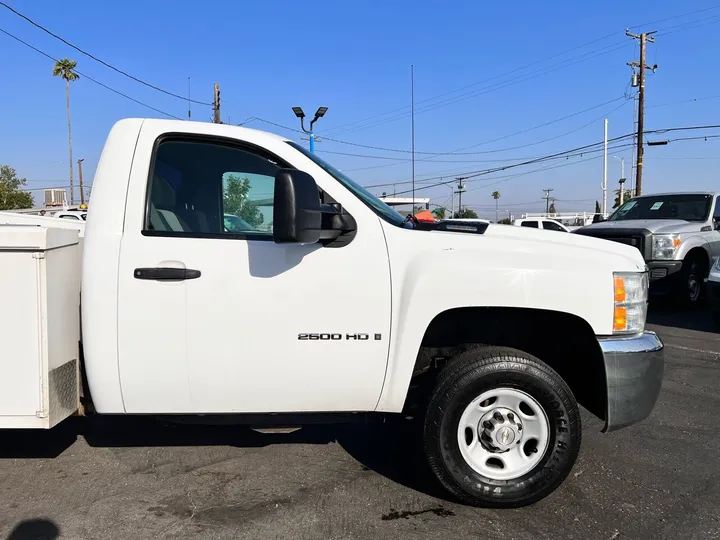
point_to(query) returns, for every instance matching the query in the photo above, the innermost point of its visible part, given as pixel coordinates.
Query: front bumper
(662, 269)
(633, 370)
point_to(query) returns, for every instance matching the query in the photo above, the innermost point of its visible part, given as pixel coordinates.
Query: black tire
(465, 378)
(691, 283)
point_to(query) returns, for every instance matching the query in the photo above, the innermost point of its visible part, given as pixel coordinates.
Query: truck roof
(677, 193)
(207, 128)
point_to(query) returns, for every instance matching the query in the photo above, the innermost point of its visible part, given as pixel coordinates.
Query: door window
(551, 225)
(210, 189)
(533, 224)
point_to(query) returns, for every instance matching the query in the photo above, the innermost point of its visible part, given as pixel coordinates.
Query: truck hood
(652, 225)
(574, 249)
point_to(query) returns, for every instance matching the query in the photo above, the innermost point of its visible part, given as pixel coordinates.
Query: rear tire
(514, 447)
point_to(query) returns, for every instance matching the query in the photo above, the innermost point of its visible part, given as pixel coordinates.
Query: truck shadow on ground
(35, 529)
(392, 449)
(662, 312)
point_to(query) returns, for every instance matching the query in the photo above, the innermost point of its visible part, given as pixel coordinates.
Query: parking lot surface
(141, 478)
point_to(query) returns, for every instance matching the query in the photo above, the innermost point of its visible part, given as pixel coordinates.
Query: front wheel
(691, 279)
(502, 428)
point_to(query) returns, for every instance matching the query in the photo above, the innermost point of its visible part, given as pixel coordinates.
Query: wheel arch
(564, 341)
(700, 253)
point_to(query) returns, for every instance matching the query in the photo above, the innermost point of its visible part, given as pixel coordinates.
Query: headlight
(664, 246)
(631, 295)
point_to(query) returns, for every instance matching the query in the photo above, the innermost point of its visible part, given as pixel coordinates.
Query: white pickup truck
(320, 300)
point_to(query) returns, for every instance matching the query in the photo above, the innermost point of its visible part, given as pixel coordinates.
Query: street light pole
(311, 134)
(82, 191)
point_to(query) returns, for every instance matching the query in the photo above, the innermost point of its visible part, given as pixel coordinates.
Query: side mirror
(297, 218)
(716, 223)
(598, 218)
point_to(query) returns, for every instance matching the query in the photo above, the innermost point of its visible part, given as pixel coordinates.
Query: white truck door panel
(264, 327)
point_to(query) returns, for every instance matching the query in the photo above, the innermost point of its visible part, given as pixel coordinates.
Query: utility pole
(412, 127)
(80, 178)
(547, 199)
(644, 38)
(604, 182)
(461, 188)
(216, 104)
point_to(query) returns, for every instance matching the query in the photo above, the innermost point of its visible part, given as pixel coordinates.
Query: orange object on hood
(426, 216)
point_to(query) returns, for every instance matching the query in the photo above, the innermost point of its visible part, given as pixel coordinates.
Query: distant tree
(65, 69)
(496, 196)
(439, 212)
(597, 207)
(505, 221)
(235, 200)
(626, 197)
(552, 208)
(12, 197)
(466, 213)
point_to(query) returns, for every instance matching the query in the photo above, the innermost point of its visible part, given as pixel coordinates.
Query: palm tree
(65, 68)
(496, 196)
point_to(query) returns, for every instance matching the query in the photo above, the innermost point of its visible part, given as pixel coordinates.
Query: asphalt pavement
(132, 478)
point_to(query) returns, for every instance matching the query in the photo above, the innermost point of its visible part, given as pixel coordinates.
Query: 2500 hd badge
(338, 337)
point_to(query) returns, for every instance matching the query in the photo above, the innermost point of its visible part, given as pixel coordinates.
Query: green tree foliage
(505, 221)
(628, 195)
(439, 212)
(552, 208)
(235, 201)
(11, 195)
(597, 207)
(466, 213)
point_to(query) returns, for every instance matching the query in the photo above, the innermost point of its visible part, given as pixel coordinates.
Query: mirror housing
(297, 217)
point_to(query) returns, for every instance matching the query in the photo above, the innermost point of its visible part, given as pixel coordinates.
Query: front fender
(489, 272)
(692, 242)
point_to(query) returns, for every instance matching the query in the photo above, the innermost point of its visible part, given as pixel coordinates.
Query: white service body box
(40, 280)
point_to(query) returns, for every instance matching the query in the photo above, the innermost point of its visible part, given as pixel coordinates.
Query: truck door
(235, 322)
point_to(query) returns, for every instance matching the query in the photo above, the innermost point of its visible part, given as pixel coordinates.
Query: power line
(497, 86)
(90, 78)
(588, 148)
(459, 151)
(126, 74)
(503, 84)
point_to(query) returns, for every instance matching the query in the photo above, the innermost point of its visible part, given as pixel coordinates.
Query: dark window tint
(69, 217)
(688, 207)
(716, 214)
(210, 188)
(533, 224)
(552, 226)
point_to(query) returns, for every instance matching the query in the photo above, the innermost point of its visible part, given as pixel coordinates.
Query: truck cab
(324, 301)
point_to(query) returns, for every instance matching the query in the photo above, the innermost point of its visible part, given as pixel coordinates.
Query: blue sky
(355, 57)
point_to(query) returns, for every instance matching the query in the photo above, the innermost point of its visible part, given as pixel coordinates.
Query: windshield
(688, 207)
(380, 208)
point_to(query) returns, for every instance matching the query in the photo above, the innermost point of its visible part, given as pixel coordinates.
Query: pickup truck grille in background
(635, 238)
(635, 241)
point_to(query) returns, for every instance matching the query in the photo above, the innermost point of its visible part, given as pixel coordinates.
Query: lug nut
(499, 417)
(488, 425)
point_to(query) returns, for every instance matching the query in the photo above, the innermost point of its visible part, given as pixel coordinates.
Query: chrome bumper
(633, 370)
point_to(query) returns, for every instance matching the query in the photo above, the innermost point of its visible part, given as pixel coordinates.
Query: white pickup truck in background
(541, 223)
(320, 298)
